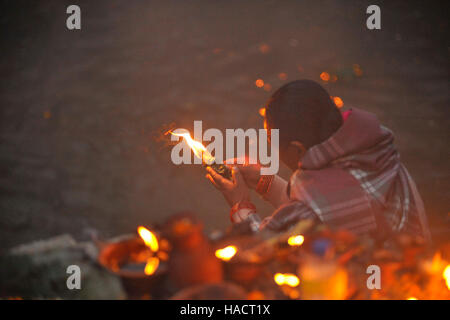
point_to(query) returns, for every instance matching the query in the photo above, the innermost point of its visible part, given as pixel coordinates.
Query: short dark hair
(304, 111)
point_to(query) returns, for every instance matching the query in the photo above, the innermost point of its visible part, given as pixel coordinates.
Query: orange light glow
(286, 279)
(267, 87)
(151, 266)
(325, 76)
(357, 70)
(264, 48)
(259, 83)
(47, 114)
(262, 112)
(446, 275)
(296, 240)
(282, 76)
(149, 238)
(412, 298)
(199, 149)
(226, 253)
(437, 264)
(338, 102)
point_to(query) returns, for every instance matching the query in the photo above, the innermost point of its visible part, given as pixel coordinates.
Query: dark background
(82, 111)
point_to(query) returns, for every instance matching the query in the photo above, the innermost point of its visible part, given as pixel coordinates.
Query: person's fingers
(218, 179)
(237, 176)
(208, 176)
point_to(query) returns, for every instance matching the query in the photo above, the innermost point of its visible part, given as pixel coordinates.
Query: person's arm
(236, 192)
(272, 188)
(276, 192)
(286, 216)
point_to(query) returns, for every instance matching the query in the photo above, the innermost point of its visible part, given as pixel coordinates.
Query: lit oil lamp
(137, 261)
(240, 265)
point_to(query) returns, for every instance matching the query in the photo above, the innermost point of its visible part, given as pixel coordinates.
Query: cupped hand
(233, 191)
(250, 172)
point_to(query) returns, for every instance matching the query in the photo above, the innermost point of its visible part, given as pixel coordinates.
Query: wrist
(240, 210)
(264, 183)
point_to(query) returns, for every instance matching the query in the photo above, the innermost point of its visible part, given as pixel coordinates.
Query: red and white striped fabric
(355, 181)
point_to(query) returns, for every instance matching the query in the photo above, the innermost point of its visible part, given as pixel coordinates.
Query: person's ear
(299, 147)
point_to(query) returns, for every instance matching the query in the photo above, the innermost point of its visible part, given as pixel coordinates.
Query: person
(346, 170)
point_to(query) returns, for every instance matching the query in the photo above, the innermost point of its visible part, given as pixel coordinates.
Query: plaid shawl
(354, 180)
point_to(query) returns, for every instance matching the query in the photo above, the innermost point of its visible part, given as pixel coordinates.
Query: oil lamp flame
(286, 279)
(151, 242)
(151, 266)
(226, 253)
(149, 238)
(198, 148)
(446, 275)
(296, 240)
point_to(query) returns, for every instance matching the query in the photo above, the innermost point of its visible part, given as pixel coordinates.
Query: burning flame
(286, 278)
(151, 266)
(446, 275)
(296, 240)
(226, 253)
(151, 242)
(149, 238)
(198, 148)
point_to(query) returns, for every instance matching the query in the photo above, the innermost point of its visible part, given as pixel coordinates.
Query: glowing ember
(286, 279)
(151, 266)
(226, 253)
(446, 275)
(325, 76)
(199, 149)
(296, 240)
(149, 238)
(262, 112)
(259, 83)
